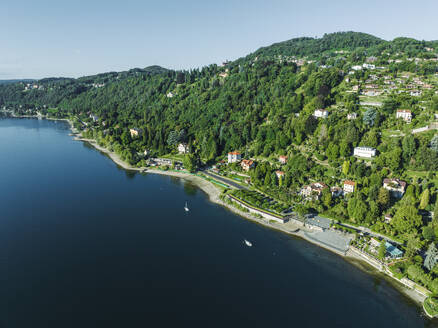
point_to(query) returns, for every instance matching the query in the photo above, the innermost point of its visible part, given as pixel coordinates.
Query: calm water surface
(86, 244)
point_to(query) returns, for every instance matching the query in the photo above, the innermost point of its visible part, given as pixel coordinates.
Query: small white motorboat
(247, 243)
(186, 208)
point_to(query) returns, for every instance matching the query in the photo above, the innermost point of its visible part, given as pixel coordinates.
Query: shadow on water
(175, 181)
(190, 189)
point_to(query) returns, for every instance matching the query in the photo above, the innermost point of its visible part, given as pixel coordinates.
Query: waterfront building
(393, 251)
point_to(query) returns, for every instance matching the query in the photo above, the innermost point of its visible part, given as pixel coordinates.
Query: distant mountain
(16, 81)
(306, 46)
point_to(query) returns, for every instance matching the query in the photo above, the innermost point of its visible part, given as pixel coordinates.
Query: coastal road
(368, 231)
(226, 181)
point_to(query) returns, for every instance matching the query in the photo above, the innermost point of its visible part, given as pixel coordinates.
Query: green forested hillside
(313, 100)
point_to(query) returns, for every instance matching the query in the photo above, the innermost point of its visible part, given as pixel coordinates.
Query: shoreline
(213, 194)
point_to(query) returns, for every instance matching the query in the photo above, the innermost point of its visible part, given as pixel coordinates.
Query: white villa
(351, 116)
(134, 132)
(183, 148)
(405, 114)
(349, 186)
(395, 186)
(314, 190)
(234, 157)
(366, 152)
(322, 113)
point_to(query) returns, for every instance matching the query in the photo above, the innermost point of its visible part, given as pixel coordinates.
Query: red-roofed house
(282, 159)
(395, 186)
(405, 114)
(247, 164)
(234, 157)
(314, 190)
(349, 186)
(280, 174)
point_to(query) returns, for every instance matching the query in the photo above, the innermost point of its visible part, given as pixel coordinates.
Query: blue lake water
(84, 243)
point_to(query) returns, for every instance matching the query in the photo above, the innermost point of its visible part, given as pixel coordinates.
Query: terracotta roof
(247, 162)
(234, 153)
(349, 182)
(395, 181)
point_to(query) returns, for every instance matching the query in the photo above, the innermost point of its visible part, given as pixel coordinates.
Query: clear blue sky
(75, 38)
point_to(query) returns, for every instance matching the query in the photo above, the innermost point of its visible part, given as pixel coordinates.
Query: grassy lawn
(260, 201)
(422, 175)
(431, 306)
(175, 157)
(376, 99)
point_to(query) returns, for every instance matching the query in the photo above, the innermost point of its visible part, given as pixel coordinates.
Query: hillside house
(349, 186)
(314, 190)
(393, 251)
(371, 59)
(282, 159)
(169, 95)
(388, 218)
(247, 164)
(183, 148)
(134, 132)
(395, 186)
(336, 191)
(368, 66)
(366, 152)
(351, 116)
(404, 114)
(372, 92)
(280, 174)
(321, 113)
(234, 157)
(356, 68)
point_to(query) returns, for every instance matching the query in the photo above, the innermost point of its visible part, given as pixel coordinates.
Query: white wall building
(367, 152)
(322, 113)
(234, 157)
(405, 114)
(183, 148)
(351, 116)
(349, 186)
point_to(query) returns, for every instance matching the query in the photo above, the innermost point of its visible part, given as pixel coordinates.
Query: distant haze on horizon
(48, 38)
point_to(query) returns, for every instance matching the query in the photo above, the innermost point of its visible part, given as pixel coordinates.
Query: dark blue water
(86, 244)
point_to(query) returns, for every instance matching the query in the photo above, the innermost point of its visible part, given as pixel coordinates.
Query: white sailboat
(247, 243)
(186, 208)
